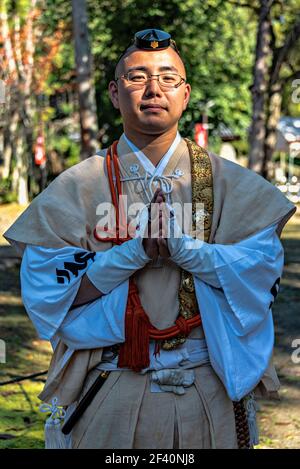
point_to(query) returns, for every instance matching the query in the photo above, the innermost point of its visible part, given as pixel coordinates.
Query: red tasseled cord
(134, 352)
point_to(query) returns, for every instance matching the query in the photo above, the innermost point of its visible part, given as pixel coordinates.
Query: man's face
(134, 102)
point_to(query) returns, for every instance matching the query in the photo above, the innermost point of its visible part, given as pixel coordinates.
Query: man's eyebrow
(164, 68)
(168, 67)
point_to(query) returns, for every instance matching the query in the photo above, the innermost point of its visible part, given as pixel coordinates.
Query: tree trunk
(19, 112)
(9, 138)
(10, 73)
(280, 56)
(275, 100)
(21, 166)
(259, 88)
(86, 95)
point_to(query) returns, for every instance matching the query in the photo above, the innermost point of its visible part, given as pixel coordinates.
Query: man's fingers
(154, 210)
(160, 197)
(156, 226)
(158, 193)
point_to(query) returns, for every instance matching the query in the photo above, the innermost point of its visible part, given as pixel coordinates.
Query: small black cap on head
(152, 39)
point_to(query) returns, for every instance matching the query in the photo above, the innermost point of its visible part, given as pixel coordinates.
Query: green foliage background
(217, 55)
(216, 40)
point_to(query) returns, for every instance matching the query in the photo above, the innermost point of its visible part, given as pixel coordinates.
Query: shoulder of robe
(237, 176)
(82, 180)
(245, 202)
(91, 167)
(65, 212)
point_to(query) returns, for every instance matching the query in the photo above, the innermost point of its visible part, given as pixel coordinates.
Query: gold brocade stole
(202, 192)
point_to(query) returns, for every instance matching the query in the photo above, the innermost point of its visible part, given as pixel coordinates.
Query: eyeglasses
(165, 80)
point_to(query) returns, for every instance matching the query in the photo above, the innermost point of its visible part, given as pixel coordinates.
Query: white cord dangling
(54, 438)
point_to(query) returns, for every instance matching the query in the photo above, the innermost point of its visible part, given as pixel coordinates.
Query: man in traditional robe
(96, 300)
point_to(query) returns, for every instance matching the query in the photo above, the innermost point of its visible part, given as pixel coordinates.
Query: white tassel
(54, 438)
(251, 409)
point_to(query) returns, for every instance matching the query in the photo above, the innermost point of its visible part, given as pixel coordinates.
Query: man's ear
(113, 93)
(187, 95)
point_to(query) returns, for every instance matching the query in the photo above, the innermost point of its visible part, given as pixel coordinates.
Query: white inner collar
(146, 163)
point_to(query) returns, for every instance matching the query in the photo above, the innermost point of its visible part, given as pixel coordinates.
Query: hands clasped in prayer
(155, 244)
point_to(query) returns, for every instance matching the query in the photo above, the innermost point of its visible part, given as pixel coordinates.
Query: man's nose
(152, 86)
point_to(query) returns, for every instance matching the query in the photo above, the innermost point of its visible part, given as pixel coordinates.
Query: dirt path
(279, 422)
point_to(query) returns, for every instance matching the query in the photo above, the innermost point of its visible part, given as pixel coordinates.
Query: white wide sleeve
(247, 273)
(97, 324)
(50, 279)
(235, 287)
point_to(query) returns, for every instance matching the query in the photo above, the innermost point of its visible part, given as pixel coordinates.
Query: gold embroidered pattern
(202, 192)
